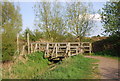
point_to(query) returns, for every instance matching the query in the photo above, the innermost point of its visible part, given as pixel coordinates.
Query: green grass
(32, 67)
(106, 55)
(76, 67)
(35, 67)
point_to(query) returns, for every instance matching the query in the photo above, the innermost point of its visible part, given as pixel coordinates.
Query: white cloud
(96, 17)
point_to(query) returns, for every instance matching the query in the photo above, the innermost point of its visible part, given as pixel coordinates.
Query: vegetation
(26, 68)
(11, 25)
(76, 67)
(33, 35)
(111, 17)
(111, 22)
(78, 19)
(35, 66)
(49, 19)
(109, 46)
(106, 54)
(55, 24)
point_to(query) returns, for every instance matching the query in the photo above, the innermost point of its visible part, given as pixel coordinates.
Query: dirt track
(108, 67)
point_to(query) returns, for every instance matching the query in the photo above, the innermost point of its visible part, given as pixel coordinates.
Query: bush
(8, 47)
(109, 46)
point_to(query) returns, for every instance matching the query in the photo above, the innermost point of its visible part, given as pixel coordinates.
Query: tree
(78, 18)
(33, 36)
(42, 14)
(111, 17)
(50, 20)
(57, 21)
(11, 25)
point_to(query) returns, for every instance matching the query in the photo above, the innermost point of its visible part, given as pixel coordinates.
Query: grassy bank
(26, 69)
(34, 66)
(76, 67)
(104, 54)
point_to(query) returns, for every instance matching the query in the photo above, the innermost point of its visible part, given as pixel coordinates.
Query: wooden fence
(61, 49)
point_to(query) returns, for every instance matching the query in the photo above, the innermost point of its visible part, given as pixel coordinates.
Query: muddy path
(109, 68)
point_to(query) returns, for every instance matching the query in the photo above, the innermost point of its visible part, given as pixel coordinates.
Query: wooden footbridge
(61, 49)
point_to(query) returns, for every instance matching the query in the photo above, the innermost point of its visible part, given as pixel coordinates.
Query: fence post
(18, 43)
(28, 43)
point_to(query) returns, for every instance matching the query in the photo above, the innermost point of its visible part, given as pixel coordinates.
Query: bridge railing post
(47, 50)
(68, 47)
(90, 48)
(56, 49)
(31, 48)
(39, 47)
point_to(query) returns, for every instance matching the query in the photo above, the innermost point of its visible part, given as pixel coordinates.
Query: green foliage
(106, 54)
(111, 22)
(76, 67)
(55, 24)
(35, 65)
(33, 35)
(109, 46)
(111, 17)
(87, 39)
(78, 19)
(50, 21)
(11, 25)
(69, 38)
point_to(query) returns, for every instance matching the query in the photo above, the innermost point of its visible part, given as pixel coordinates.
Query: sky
(27, 12)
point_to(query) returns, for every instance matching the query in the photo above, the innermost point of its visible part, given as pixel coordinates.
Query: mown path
(108, 67)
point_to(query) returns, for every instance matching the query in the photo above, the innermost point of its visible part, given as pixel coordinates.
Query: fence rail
(61, 49)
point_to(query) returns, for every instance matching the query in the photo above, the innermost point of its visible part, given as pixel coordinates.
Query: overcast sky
(28, 16)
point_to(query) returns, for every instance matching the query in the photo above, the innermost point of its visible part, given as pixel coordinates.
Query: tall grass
(76, 67)
(27, 70)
